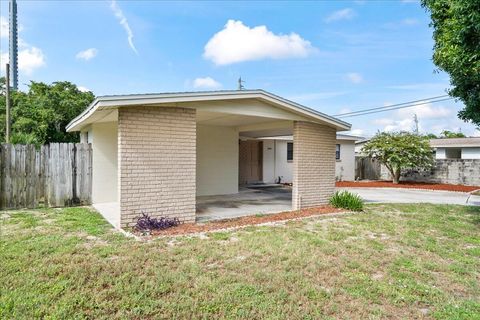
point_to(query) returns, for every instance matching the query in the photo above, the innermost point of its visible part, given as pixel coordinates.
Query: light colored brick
(313, 164)
(156, 156)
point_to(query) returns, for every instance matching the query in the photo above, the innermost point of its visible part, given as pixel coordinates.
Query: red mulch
(405, 184)
(187, 228)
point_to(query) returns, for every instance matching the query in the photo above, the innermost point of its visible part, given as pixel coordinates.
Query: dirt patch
(245, 221)
(407, 185)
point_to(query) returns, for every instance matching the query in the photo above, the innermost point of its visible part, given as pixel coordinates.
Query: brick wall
(157, 161)
(313, 164)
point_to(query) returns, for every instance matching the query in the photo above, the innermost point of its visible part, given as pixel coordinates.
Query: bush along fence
(56, 175)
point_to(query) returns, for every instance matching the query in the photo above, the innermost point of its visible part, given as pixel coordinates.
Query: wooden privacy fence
(57, 175)
(367, 169)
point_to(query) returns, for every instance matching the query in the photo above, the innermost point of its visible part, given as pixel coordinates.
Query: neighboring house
(155, 153)
(457, 162)
(456, 148)
(277, 158)
(359, 146)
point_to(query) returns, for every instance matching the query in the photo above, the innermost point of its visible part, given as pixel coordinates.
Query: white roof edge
(134, 99)
(341, 136)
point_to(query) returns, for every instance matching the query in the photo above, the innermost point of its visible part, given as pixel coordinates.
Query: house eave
(109, 102)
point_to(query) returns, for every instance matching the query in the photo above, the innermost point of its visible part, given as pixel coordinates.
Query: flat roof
(117, 101)
(455, 142)
(348, 137)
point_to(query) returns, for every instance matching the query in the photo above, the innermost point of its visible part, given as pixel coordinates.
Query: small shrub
(347, 200)
(147, 223)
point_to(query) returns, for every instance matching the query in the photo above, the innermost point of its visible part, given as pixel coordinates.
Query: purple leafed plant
(147, 223)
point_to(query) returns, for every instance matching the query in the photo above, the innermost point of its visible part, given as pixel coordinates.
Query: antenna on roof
(240, 84)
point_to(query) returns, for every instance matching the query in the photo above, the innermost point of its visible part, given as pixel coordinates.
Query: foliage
(446, 134)
(457, 49)
(430, 136)
(147, 223)
(451, 134)
(40, 115)
(347, 200)
(399, 150)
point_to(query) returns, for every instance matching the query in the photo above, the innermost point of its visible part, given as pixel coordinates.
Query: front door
(250, 162)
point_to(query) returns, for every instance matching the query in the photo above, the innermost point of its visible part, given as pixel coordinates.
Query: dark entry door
(250, 161)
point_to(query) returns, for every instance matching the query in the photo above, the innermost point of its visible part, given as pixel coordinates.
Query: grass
(390, 261)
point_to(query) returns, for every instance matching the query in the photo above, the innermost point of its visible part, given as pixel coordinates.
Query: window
(289, 151)
(337, 151)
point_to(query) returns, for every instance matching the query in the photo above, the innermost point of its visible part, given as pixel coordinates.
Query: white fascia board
(173, 98)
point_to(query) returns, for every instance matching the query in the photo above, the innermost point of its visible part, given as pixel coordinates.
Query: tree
(450, 134)
(430, 136)
(457, 50)
(40, 115)
(399, 150)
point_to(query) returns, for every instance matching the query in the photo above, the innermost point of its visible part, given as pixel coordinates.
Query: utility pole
(240, 84)
(7, 104)
(13, 43)
(415, 119)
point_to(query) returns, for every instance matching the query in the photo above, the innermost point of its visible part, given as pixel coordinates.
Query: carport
(250, 200)
(171, 154)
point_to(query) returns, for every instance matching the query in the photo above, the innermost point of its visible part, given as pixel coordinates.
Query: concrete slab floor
(249, 201)
(110, 211)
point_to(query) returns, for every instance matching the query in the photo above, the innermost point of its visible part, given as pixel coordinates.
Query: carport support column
(313, 164)
(157, 163)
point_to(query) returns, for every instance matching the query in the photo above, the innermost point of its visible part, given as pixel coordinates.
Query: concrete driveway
(398, 195)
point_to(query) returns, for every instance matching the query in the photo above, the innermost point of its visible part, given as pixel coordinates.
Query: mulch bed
(187, 228)
(405, 184)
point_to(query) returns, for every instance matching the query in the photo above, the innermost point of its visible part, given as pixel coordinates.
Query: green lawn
(392, 261)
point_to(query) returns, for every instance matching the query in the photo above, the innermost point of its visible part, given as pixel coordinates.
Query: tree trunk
(396, 176)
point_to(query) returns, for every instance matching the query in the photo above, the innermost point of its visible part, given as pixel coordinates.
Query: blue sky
(335, 57)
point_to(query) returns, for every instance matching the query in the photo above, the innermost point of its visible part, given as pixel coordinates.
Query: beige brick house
(156, 153)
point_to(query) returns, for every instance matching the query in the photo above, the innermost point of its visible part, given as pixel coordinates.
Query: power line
(394, 106)
(361, 113)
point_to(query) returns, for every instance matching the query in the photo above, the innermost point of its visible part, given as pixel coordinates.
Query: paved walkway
(394, 195)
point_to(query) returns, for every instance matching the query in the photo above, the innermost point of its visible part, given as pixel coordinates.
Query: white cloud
(207, 83)
(238, 42)
(344, 14)
(83, 89)
(409, 21)
(124, 23)
(383, 121)
(345, 110)
(426, 111)
(29, 59)
(357, 132)
(3, 27)
(87, 54)
(428, 117)
(355, 77)
(400, 125)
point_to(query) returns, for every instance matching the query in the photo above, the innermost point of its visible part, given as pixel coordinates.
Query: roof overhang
(348, 137)
(473, 142)
(101, 107)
